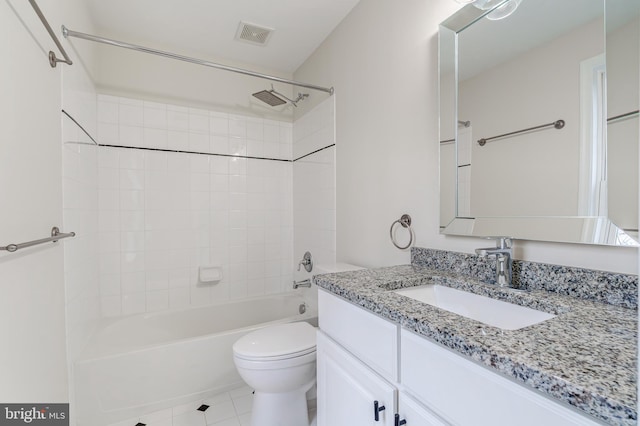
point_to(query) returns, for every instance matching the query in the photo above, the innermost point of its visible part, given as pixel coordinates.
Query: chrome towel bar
(53, 60)
(623, 116)
(558, 124)
(55, 236)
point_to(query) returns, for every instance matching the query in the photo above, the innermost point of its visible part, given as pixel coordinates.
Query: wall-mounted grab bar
(53, 60)
(55, 236)
(623, 116)
(558, 124)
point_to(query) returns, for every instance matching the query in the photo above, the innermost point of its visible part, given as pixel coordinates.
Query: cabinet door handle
(399, 422)
(376, 410)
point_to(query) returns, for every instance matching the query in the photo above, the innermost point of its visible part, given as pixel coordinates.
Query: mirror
(539, 121)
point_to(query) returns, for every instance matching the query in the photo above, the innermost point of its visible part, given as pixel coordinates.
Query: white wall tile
(131, 136)
(107, 112)
(157, 300)
(131, 159)
(199, 142)
(199, 123)
(313, 185)
(133, 303)
(178, 140)
(163, 214)
(108, 133)
(179, 297)
(132, 282)
(131, 115)
(155, 116)
(155, 138)
(111, 306)
(177, 120)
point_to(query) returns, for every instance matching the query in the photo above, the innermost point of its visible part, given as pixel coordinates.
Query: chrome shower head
(269, 98)
(273, 98)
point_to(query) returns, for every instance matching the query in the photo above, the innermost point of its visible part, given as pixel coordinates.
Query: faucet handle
(502, 242)
(307, 262)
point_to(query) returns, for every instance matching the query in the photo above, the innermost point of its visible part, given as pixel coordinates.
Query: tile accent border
(598, 286)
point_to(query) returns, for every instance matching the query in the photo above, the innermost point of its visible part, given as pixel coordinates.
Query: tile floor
(231, 408)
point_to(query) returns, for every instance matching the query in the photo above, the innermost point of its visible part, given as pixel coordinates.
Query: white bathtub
(143, 363)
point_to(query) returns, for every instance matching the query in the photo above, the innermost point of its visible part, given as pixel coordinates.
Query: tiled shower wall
(314, 184)
(165, 214)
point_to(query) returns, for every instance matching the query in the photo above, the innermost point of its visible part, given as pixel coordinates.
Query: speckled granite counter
(585, 356)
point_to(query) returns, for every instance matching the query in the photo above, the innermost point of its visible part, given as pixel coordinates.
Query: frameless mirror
(539, 121)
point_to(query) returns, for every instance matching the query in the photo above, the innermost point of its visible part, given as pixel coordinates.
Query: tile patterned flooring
(231, 408)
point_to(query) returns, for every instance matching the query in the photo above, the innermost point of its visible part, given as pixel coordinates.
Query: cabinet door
(465, 393)
(348, 390)
(415, 414)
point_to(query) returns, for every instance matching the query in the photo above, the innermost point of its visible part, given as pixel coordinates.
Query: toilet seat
(276, 343)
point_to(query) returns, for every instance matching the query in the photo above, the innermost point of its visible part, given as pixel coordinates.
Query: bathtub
(143, 363)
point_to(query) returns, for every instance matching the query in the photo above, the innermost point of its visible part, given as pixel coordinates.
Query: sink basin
(496, 313)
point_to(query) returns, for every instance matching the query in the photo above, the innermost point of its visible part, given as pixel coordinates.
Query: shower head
(269, 98)
(273, 98)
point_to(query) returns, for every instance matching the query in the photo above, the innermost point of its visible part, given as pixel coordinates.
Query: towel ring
(405, 221)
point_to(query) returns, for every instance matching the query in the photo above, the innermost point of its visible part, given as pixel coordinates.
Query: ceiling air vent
(253, 34)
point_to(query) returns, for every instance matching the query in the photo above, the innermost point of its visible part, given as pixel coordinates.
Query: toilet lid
(277, 342)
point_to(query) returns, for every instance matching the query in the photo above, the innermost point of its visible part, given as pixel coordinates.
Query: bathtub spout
(303, 283)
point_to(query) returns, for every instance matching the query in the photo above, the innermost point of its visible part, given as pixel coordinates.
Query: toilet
(279, 363)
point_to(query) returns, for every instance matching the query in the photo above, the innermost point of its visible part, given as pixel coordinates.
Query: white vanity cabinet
(360, 356)
(357, 356)
(414, 414)
(349, 393)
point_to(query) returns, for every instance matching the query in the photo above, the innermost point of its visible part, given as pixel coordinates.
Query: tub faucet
(303, 283)
(504, 260)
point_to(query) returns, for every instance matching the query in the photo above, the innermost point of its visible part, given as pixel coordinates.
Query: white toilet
(279, 363)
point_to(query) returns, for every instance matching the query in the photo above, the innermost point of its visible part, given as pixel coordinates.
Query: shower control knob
(307, 262)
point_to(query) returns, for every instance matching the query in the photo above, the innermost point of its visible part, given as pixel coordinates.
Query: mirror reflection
(541, 141)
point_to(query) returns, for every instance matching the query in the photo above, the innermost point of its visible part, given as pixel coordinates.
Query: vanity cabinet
(349, 393)
(414, 414)
(360, 356)
(357, 357)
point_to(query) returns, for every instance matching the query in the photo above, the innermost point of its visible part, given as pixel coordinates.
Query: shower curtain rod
(66, 32)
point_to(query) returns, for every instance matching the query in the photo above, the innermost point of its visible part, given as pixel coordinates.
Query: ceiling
(208, 27)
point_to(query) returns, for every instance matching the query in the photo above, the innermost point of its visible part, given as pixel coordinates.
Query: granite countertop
(585, 356)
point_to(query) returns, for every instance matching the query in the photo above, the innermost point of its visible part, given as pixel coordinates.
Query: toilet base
(280, 409)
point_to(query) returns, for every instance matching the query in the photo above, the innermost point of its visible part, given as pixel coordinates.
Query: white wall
(387, 137)
(33, 362)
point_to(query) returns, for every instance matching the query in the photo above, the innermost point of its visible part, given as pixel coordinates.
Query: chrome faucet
(504, 260)
(303, 283)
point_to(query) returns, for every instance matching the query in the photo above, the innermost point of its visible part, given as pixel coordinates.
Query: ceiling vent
(254, 34)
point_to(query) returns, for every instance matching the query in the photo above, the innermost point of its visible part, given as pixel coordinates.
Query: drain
(302, 308)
